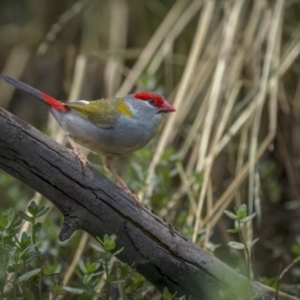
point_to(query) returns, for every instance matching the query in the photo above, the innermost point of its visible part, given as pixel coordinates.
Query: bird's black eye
(151, 101)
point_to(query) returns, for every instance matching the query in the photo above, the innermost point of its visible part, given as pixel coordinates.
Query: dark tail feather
(55, 104)
(24, 87)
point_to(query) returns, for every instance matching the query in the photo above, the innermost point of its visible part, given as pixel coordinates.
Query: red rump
(158, 101)
(55, 104)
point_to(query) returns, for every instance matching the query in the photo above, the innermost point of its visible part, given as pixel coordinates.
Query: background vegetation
(231, 69)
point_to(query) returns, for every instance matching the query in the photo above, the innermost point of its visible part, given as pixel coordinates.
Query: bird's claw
(81, 158)
(78, 154)
(132, 196)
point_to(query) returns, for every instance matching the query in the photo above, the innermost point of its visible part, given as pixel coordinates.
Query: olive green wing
(103, 113)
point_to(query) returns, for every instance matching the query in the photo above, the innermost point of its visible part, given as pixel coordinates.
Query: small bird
(112, 126)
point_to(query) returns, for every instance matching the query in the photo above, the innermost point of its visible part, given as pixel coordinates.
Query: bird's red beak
(166, 107)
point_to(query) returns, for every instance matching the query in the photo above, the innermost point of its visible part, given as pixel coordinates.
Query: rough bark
(91, 202)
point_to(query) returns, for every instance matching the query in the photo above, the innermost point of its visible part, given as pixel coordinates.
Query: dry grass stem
(175, 31)
(223, 202)
(260, 99)
(151, 47)
(79, 250)
(240, 158)
(179, 99)
(229, 30)
(118, 34)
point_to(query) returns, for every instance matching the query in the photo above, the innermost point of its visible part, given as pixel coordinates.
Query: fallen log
(91, 202)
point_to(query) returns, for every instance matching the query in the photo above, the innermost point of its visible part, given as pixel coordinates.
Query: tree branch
(91, 202)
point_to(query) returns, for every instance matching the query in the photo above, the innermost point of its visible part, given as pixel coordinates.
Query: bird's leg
(77, 153)
(121, 183)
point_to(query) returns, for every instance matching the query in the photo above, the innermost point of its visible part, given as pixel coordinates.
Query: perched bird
(112, 126)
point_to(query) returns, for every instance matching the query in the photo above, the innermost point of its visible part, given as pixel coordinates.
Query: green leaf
(29, 248)
(42, 211)
(212, 247)
(33, 256)
(82, 266)
(238, 225)
(97, 248)
(97, 274)
(242, 208)
(51, 275)
(296, 249)
(25, 240)
(29, 274)
(109, 242)
(166, 294)
(198, 177)
(233, 230)
(37, 228)
(58, 289)
(25, 217)
(91, 267)
(73, 290)
(248, 218)
(118, 252)
(28, 294)
(86, 279)
(235, 245)
(3, 221)
(33, 208)
(122, 281)
(242, 212)
(230, 214)
(253, 243)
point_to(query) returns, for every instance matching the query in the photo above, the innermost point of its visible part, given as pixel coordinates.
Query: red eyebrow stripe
(146, 96)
